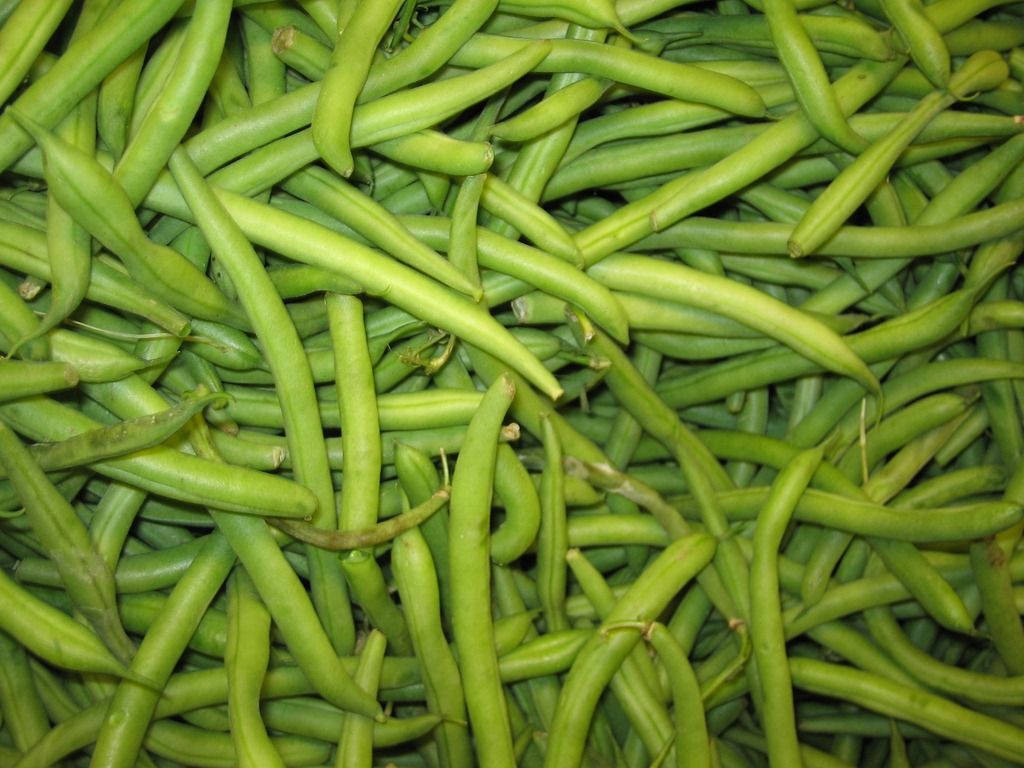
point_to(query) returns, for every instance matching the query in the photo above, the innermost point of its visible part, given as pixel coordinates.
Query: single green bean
(245, 661)
(766, 628)
(22, 378)
(127, 437)
(355, 745)
(417, 581)
(810, 82)
(350, 64)
(470, 568)
(364, 538)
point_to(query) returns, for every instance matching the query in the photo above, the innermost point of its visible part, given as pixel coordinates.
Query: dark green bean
(127, 437)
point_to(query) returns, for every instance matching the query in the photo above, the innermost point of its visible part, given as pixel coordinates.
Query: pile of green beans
(541, 383)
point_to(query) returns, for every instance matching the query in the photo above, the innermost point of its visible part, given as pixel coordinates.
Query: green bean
(925, 45)
(245, 207)
(635, 685)
(419, 480)
(810, 756)
(552, 538)
(154, 74)
(551, 111)
(871, 519)
(106, 285)
(140, 610)
(360, 433)
(546, 272)
(691, 743)
(395, 411)
(208, 749)
(773, 318)
(513, 486)
(862, 593)
(279, 588)
(374, 222)
(931, 712)
(914, 329)
(951, 486)
(17, 321)
(602, 653)
(59, 704)
(430, 150)
(701, 470)
(600, 14)
(971, 686)
(403, 287)
(19, 379)
(183, 692)
(54, 636)
(81, 68)
(127, 437)
(537, 160)
(505, 202)
(627, 161)
(765, 617)
(909, 460)
(24, 715)
(78, 181)
(303, 429)
(678, 81)
(364, 538)
(832, 208)
(116, 99)
(314, 719)
(265, 74)
(402, 113)
(936, 596)
(23, 35)
(430, 49)
(414, 571)
(990, 566)
(161, 469)
(67, 242)
(904, 389)
(469, 564)
(170, 115)
(810, 82)
(898, 429)
(132, 705)
(355, 746)
(844, 35)
(66, 540)
(245, 661)
(852, 645)
(350, 64)
(694, 191)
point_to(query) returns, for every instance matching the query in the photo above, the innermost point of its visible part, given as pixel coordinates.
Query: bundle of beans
(415, 383)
